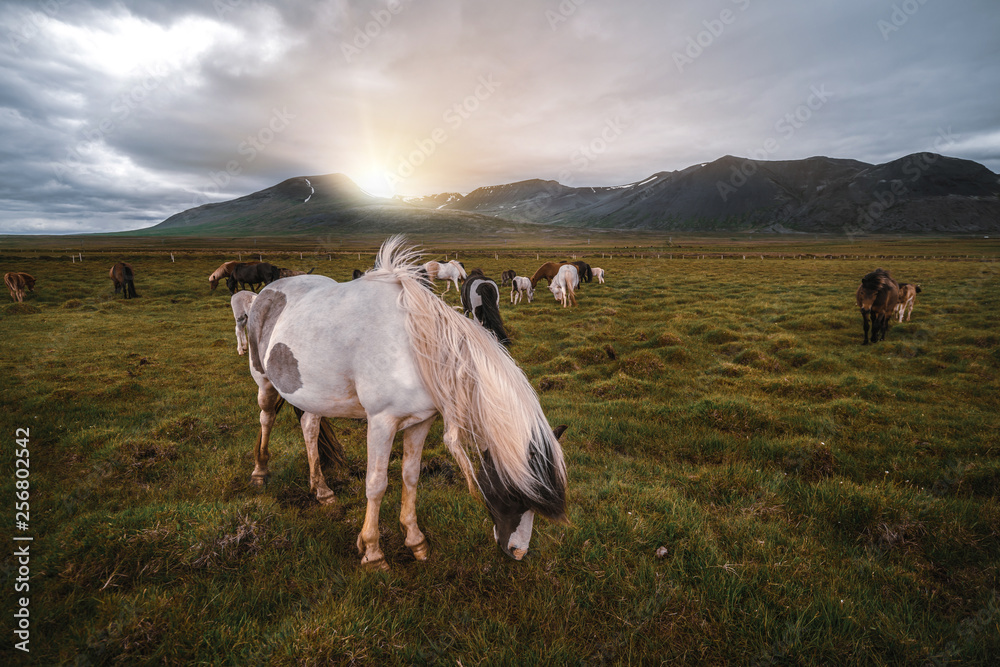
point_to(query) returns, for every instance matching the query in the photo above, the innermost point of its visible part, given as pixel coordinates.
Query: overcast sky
(116, 115)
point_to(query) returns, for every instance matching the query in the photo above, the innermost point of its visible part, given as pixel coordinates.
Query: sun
(376, 183)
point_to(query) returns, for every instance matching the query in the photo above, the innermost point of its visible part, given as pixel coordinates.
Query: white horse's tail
(485, 399)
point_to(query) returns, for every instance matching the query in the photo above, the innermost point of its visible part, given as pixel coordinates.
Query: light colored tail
(484, 398)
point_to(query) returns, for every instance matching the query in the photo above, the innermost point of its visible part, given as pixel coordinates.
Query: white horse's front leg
(381, 430)
(413, 447)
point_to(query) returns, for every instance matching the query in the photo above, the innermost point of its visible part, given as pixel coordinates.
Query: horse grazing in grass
(586, 273)
(481, 298)
(123, 277)
(385, 349)
(907, 297)
(599, 274)
(452, 271)
(224, 271)
(565, 284)
(507, 276)
(877, 297)
(548, 271)
(520, 285)
(257, 273)
(19, 282)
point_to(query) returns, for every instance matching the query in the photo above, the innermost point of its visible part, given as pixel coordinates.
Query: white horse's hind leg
(310, 432)
(267, 399)
(413, 446)
(381, 430)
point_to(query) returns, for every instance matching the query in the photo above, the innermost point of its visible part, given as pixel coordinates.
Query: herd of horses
(402, 358)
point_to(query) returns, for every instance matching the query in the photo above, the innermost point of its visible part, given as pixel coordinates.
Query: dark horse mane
(877, 280)
(489, 294)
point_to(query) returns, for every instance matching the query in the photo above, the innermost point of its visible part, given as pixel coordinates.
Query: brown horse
(877, 297)
(224, 271)
(18, 283)
(507, 277)
(548, 270)
(123, 277)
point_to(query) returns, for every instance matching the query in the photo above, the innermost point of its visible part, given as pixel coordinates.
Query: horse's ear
(558, 430)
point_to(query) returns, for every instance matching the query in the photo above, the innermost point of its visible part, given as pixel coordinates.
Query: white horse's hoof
(421, 551)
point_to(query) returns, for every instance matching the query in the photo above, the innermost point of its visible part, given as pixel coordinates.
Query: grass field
(748, 483)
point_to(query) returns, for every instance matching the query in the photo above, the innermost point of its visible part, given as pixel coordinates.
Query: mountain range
(919, 193)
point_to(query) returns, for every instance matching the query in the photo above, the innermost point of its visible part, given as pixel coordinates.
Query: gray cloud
(116, 115)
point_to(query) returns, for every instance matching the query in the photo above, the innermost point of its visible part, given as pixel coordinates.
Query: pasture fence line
(103, 254)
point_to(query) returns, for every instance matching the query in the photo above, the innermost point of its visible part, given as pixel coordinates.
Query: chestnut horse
(123, 277)
(18, 283)
(907, 297)
(548, 271)
(877, 297)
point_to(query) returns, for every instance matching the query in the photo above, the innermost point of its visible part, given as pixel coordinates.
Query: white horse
(385, 349)
(241, 303)
(447, 271)
(519, 286)
(563, 286)
(599, 274)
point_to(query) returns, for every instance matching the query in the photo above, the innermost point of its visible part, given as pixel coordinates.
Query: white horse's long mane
(474, 383)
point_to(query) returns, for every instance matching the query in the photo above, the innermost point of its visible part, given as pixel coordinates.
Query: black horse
(252, 274)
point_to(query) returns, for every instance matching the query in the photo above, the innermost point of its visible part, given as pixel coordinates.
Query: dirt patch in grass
(811, 463)
(643, 364)
(22, 309)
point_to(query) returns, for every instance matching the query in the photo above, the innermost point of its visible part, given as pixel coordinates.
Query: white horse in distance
(452, 271)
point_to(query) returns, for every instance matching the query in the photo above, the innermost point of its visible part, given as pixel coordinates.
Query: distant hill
(919, 193)
(923, 192)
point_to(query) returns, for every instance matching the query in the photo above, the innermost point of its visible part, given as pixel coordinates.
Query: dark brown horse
(877, 297)
(507, 277)
(123, 277)
(586, 273)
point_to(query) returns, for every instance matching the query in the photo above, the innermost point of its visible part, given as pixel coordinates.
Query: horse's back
(329, 347)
